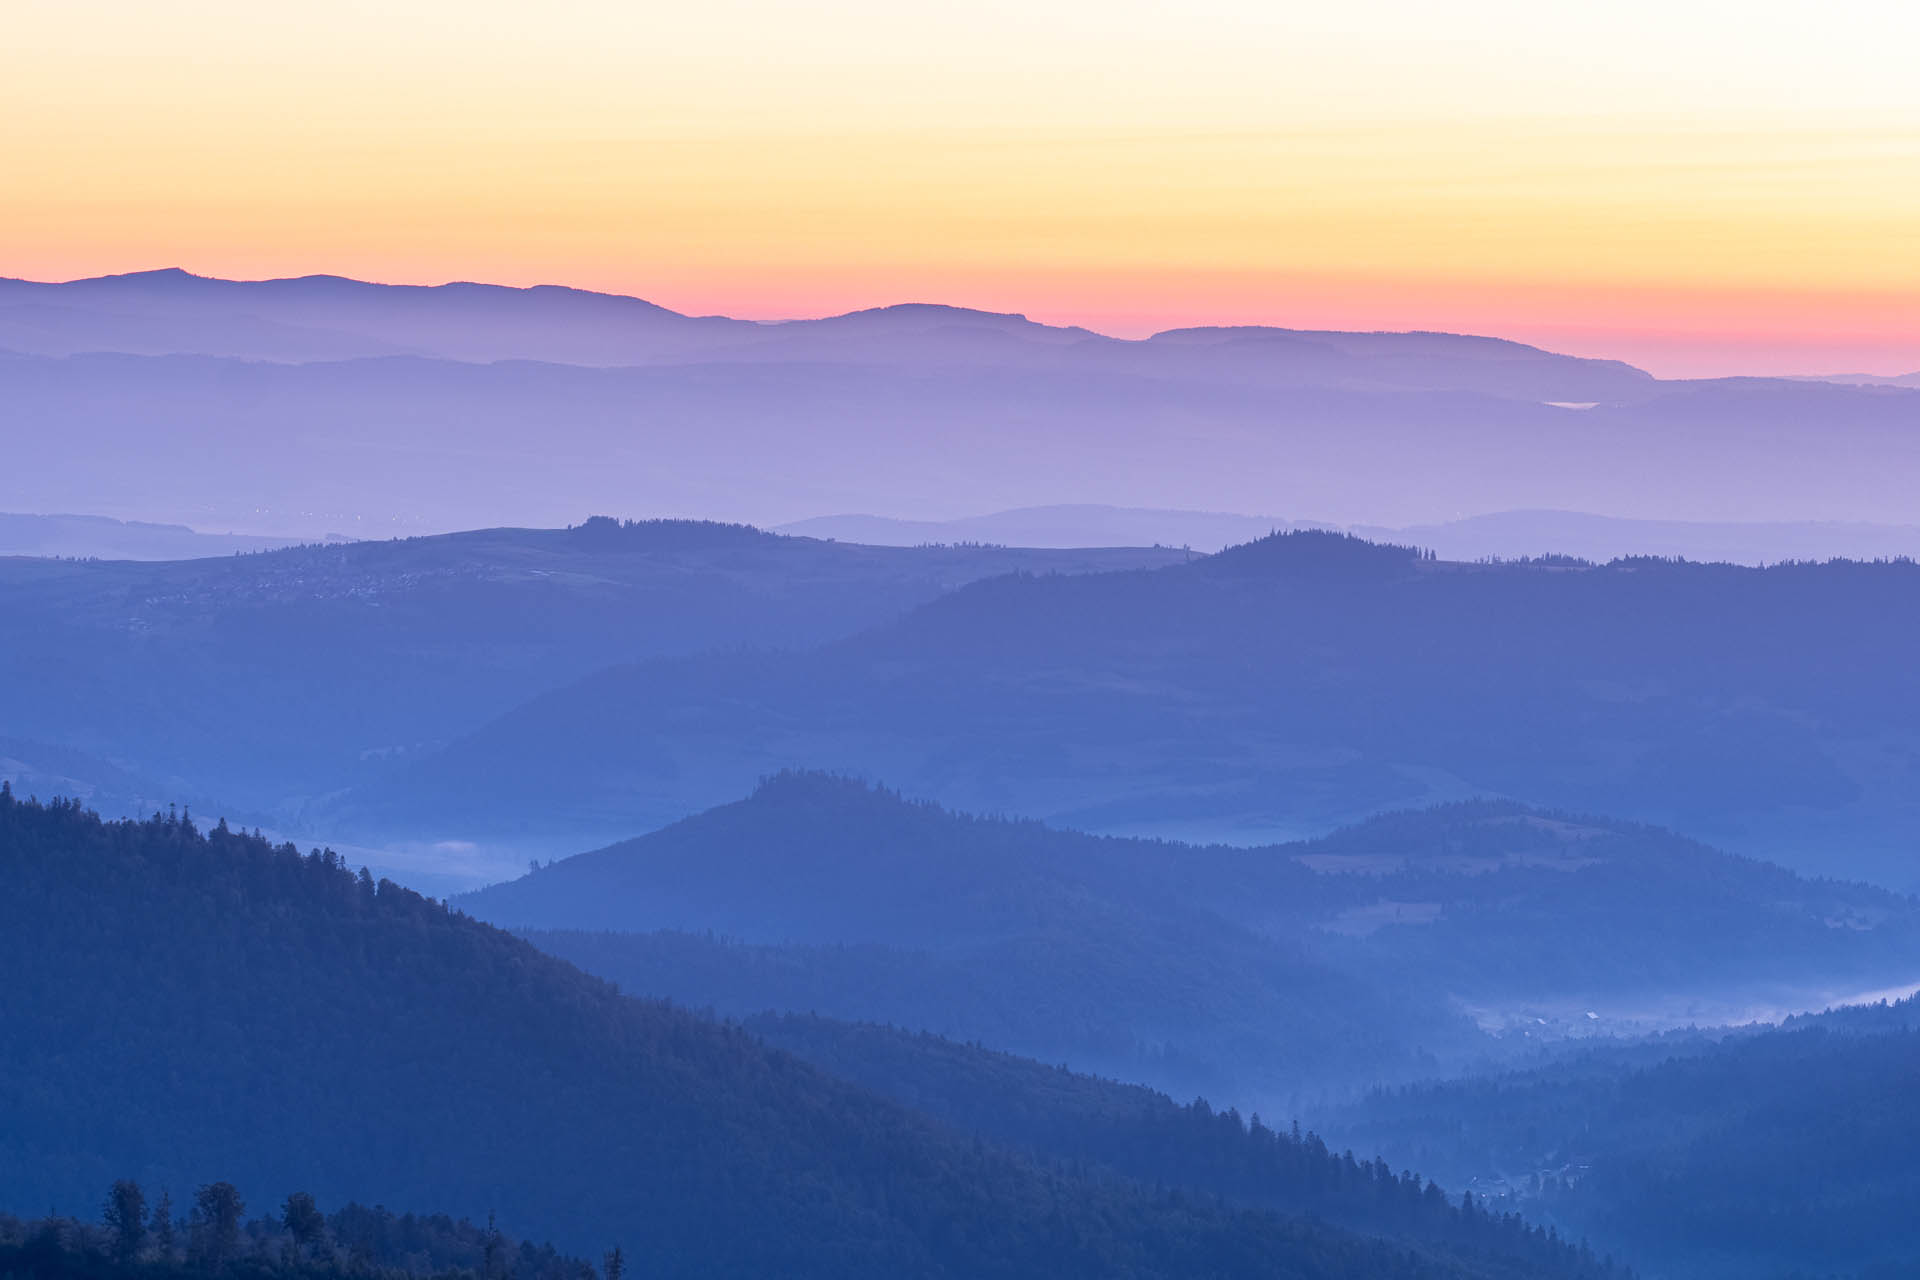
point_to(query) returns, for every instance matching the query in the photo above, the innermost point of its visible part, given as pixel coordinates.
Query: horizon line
(1024, 317)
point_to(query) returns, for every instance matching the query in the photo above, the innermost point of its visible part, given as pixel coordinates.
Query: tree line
(138, 1238)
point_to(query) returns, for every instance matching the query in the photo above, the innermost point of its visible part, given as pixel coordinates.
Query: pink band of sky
(1700, 188)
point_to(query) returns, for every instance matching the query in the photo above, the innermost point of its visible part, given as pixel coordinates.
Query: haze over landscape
(322, 407)
(1052, 640)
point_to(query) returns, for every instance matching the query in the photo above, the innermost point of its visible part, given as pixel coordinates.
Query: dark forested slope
(181, 1004)
(1057, 1114)
(1752, 1155)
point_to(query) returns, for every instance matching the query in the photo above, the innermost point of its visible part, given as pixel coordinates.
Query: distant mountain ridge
(102, 538)
(927, 422)
(1278, 688)
(1867, 379)
(1498, 535)
(301, 407)
(1061, 524)
(310, 318)
(267, 681)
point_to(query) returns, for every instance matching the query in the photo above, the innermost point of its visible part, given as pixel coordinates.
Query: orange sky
(1696, 186)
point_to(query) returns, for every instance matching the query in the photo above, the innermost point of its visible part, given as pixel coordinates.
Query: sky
(1696, 186)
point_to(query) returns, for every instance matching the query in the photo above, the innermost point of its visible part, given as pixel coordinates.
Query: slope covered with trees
(1748, 1154)
(1056, 1114)
(1298, 681)
(264, 681)
(1262, 973)
(180, 1003)
(820, 893)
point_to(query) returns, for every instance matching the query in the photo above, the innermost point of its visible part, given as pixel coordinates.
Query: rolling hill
(1500, 535)
(1259, 974)
(1275, 690)
(266, 681)
(1756, 1153)
(182, 1003)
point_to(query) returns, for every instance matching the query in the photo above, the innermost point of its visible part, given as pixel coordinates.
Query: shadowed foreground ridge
(218, 1232)
(187, 1003)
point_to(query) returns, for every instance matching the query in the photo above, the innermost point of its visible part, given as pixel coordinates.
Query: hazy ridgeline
(528, 783)
(1275, 689)
(264, 684)
(1265, 975)
(539, 692)
(1439, 933)
(1501, 535)
(317, 406)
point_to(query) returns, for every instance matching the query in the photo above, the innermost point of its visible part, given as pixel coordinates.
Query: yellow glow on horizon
(1721, 183)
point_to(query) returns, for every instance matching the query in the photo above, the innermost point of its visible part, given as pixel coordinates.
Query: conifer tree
(163, 1226)
(302, 1219)
(126, 1218)
(217, 1212)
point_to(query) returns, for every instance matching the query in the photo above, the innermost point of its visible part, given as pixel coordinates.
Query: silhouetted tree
(126, 1218)
(217, 1209)
(163, 1226)
(490, 1260)
(302, 1219)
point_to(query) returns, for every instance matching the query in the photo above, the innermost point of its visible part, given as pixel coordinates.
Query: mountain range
(1273, 690)
(103, 538)
(1469, 841)
(329, 318)
(1263, 974)
(300, 408)
(184, 1002)
(1873, 379)
(1503, 535)
(405, 695)
(259, 684)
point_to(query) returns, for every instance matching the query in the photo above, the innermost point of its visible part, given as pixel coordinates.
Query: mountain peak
(1313, 553)
(931, 311)
(159, 277)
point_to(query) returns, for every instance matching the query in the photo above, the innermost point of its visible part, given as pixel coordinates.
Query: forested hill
(1297, 682)
(183, 1005)
(263, 681)
(1099, 952)
(1057, 1114)
(1757, 1155)
(1259, 973)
